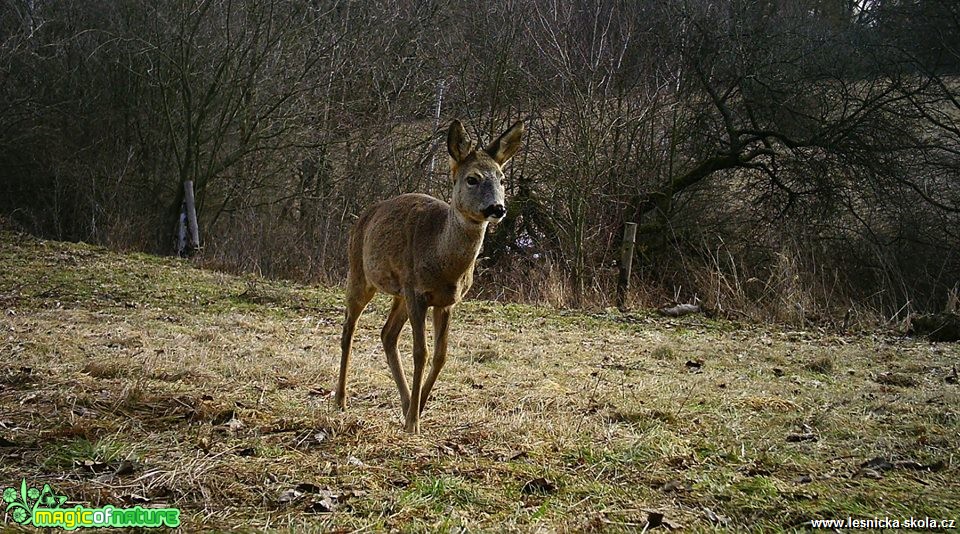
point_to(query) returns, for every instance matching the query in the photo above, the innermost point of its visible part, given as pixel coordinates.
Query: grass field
(135, 380)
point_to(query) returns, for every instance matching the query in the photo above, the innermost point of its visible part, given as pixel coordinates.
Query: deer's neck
(460, 243)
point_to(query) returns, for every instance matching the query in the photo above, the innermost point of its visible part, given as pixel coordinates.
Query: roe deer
(422, 251)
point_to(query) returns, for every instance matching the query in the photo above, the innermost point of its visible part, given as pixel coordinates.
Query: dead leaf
(125, 467)
(133, 498)
(871, 473)
(878, 463)
(235, 425)
(518, 455)
(450, 447)
(538, 485)
(674, 485)
(797, 438)
(939, 465)
(715, 518)
(307, 487)
(326, 502)
(289, 496)
(323, 506)
(223, 417)
(284, 382)
(655, 520)
(348, 493)
(93, 466)
(310, 439)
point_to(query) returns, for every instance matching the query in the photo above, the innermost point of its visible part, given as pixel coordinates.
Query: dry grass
(133, 379)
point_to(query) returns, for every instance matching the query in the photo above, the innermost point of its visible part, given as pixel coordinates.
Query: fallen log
(679, 310)
(936, 326)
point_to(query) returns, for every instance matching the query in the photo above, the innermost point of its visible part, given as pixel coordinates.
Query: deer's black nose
(496, 211)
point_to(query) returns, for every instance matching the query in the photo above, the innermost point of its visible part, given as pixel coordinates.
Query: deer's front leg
(441, 325)
(417, 308)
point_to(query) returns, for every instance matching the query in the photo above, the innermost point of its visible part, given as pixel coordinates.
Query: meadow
(130, 379)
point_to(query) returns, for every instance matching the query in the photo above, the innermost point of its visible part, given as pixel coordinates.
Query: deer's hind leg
(389, 335)
(358, 296)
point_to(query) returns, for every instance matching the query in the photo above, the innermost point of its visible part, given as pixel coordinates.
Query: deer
(422, 251)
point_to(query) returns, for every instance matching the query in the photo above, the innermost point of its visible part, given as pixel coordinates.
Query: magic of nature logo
(43, 507)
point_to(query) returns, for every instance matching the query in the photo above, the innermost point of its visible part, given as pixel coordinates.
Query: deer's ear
(507, 144)
(457, 143)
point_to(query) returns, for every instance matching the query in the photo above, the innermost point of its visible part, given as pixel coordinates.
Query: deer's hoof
(412, 427)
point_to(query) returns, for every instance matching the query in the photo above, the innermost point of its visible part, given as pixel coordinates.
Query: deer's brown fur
(422, 251)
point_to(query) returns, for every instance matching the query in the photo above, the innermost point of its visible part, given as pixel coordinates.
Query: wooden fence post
(626, 263)
(181, 246)
(193, 230)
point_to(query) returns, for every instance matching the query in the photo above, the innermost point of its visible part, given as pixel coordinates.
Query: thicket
(787, 159)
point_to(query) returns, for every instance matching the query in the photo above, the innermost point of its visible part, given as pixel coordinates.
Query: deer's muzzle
(495, 211)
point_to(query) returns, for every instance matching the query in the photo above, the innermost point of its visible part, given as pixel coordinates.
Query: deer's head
(478, 172)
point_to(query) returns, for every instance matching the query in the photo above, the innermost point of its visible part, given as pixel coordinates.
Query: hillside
(127, 379)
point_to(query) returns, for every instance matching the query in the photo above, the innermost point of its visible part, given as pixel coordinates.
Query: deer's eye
(472, 180)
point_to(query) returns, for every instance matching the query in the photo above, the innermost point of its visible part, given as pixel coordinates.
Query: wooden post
(626, 263)
(181, 247)
(436, 126)
(194, 231)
